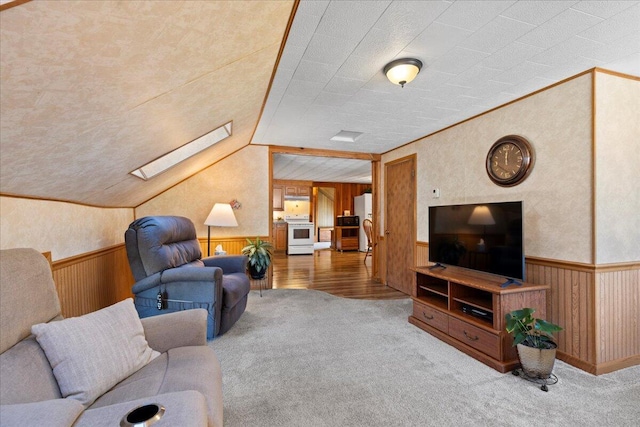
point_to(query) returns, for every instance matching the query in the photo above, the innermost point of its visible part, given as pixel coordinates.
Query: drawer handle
(427, 317)
(469, 337)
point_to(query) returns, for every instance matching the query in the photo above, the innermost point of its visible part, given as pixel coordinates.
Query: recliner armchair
(166, 261)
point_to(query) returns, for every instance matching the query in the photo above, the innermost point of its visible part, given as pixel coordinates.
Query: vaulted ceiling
(91, 90)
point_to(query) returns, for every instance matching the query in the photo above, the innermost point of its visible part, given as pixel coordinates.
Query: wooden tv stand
(466, 309)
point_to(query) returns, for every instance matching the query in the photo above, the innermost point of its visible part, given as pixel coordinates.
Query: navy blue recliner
(166, 261)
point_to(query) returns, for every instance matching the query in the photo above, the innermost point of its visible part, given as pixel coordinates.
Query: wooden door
(399, 220)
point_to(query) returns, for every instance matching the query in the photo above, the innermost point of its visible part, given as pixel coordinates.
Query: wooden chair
(367, 225)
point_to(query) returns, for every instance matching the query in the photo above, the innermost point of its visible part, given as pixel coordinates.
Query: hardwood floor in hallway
(339, 273)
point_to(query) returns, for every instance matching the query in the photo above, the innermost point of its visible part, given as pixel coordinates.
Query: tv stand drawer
(431, 316)
(475, 337)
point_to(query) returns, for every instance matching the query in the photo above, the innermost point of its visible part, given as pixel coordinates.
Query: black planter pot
(257, 274)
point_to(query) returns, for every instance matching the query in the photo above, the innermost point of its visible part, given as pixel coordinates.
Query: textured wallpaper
(557, 194)
(90, 94)
(243, 176)
(617, 169)
(65, 229)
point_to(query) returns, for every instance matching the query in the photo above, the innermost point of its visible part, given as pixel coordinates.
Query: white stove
(300, 235)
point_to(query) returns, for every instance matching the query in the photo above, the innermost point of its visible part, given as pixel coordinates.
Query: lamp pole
(221, 215)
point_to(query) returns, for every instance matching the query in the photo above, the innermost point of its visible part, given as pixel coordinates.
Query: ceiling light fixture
(402, 71)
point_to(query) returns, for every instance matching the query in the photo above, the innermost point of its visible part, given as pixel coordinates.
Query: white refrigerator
(362, 208)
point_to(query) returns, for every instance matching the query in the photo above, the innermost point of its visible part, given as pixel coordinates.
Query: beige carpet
(306, 358)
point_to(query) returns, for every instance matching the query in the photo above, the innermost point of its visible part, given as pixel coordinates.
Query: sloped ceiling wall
(92, 90)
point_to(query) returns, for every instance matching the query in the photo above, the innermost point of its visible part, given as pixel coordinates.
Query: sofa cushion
(236, 287)
(92, 353)
(185, 372)
(146, 382)
(179, 369)
(50, 413)
(25, 374)
(27, 294)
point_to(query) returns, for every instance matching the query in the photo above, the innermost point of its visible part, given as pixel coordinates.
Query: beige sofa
(183, 376)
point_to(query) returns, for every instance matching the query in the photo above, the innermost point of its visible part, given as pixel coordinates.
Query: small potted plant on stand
(259, 253)
(536, 348)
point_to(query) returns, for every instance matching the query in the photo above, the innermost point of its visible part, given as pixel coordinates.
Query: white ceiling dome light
(402, 71)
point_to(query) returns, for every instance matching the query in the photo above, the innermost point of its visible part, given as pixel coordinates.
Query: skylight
(180, 154)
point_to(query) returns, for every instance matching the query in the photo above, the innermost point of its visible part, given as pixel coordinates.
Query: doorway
(325, 205)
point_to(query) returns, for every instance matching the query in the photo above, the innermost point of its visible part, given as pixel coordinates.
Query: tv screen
(484, 236)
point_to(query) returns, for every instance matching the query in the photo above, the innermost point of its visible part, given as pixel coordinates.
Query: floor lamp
(221, 215)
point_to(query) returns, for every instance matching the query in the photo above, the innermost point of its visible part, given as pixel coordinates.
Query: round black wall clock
(509, 160)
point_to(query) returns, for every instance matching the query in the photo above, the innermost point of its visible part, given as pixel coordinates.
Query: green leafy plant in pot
(259, 253)
(532, 336)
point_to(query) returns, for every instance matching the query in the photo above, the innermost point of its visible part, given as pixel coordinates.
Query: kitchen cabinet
(278, 198)
(280, 236)
(295, 190)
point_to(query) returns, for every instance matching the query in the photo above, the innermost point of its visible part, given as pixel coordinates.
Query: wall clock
(509, 160)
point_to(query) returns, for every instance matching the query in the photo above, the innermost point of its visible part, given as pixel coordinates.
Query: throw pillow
(92, 353)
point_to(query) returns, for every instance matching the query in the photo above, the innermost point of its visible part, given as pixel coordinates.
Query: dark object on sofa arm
(165, 259)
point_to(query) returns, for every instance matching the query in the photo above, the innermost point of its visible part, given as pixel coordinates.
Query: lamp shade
(481, 215)
(221, 216)
(402, 71)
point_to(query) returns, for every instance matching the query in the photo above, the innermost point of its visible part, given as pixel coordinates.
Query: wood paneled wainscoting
(598, 307)
(617, 296)
(233, 246)
(94, 280)
(91, 281)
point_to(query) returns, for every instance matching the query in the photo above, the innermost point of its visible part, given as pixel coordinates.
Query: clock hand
(500, 167)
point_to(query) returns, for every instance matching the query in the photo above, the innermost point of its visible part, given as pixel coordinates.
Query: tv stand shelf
(466, 309)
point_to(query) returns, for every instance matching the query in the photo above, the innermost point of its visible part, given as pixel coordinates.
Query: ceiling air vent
(346, 136)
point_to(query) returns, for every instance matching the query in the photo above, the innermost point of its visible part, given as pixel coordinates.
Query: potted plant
(259, 253)
(532, 336)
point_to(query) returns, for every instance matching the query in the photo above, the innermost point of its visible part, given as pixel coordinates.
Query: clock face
(509, 160)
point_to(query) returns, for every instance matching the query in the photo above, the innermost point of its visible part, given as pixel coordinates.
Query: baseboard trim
(600, 368)
(578, 363)
(615, 365)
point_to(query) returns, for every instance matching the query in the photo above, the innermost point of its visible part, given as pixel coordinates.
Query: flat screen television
(486, 237)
